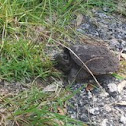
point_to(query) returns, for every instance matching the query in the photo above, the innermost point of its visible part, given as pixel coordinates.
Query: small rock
(89, 94)
(112, 87)
(104, 94)
(95, 99)
(105, 9)
(73, 116)
(84, 118)
(107, 108)
(123, 119)
(104, 122)
(94, 111)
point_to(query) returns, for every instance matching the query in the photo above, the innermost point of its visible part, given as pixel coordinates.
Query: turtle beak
(58, 57)
(55, 57)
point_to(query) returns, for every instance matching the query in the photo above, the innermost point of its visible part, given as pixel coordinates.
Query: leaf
(89, 87)
(121, 86)
(79, 19)
(50, 88)
(62, 111)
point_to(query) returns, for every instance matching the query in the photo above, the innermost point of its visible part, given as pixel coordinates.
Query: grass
(18, 22)
(27, 29)
(36, 108)
(16, 15)
(23, 59)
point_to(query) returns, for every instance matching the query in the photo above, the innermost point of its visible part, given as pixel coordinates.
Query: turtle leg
(72, 75)
(78, 75)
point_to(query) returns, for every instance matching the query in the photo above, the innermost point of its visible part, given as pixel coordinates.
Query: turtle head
(63, 61)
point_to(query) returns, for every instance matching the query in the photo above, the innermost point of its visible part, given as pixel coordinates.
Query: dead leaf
(61, 111)
(121, 86)
(79, 19)
(89, 87)
(55, 86)
(50, 88)
(123, 103)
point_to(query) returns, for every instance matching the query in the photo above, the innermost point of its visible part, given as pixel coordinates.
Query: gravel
(111, 28)
(99, 107)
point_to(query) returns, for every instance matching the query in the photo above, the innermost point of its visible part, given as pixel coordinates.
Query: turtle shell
(99, 59)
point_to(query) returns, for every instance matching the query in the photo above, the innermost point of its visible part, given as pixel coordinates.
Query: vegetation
(26, 28)
(22, 59)
(36, 108)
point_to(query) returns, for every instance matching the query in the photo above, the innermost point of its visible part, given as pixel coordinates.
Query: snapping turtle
(99, 59)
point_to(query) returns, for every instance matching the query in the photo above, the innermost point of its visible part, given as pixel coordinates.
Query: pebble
(89, 95)
(123, 119)
(94, 111)
(107, 108)
(104, 122)
(112, 87)
(103, 94)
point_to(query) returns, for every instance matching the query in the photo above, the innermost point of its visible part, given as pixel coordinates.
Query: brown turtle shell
(99, 59)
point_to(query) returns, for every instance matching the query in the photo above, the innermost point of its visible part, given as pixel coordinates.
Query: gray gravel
(98, 108)
(111, 28)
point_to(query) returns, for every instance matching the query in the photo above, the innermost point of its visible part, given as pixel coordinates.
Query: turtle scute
(99, 59)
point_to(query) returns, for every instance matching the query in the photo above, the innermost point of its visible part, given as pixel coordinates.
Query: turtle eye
(65, 57)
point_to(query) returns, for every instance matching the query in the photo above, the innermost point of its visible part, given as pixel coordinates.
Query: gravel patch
(111, 28)
(98, 107)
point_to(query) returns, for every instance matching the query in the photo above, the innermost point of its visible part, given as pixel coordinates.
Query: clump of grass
(36, 108)
(16, 15)
(23, 59)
